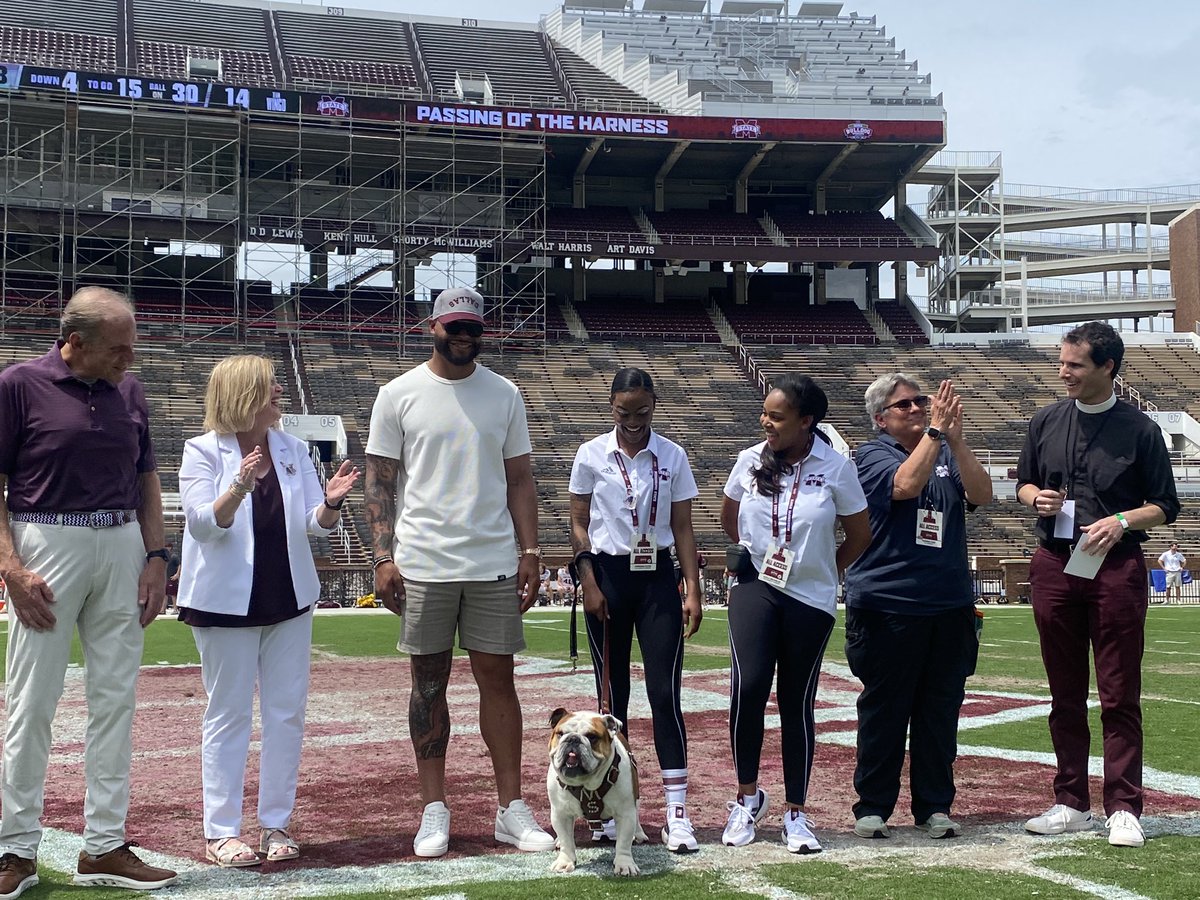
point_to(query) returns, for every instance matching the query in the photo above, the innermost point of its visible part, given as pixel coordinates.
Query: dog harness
(591, 801)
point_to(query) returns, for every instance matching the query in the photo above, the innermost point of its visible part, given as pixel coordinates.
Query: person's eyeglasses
(474, 329)
(908, 403)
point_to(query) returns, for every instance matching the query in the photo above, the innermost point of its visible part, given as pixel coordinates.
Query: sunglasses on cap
(474, 329)
(908, 403)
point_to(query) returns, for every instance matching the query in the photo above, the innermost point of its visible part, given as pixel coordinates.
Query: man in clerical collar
(1097, 473)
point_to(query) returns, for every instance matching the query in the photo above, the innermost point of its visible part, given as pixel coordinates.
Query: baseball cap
(457, 305)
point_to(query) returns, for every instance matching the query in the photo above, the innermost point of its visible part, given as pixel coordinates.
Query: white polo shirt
(596, 472)
(829, 488)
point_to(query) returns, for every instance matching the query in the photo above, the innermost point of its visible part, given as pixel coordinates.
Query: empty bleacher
(855, 229)
(900, 322)
(785, 320)
(702, 226)
(595, 89)
(623, 318)
(166, 31)
(514, 61)
(602, 223)
(348, 50)
(65, 49)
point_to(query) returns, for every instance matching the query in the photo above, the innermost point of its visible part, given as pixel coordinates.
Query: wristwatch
(163, 554)
(934, 433)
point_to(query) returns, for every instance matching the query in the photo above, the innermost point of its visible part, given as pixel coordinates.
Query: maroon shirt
(272, 594)
(69, 446)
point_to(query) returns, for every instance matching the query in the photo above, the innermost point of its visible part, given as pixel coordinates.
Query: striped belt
(100, 518)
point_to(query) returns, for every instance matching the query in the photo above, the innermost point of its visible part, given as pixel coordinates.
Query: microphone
(1054, 481)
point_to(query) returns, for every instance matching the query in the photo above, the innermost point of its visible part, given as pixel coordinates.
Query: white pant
(231, 660)
(93, 574)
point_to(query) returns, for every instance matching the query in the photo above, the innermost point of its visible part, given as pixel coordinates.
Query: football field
(357, 808)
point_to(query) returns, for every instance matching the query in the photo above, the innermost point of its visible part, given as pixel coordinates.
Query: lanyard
(630, 499)
(790, 510)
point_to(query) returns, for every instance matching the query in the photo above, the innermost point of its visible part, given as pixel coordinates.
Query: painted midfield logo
(858, 131)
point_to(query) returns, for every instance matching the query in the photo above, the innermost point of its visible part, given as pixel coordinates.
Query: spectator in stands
(566, 586)
(1094, 466)
(1173, 563)
(81, 544)
(911, 629)
(631, 502)
(783, 503)
(247, 589)
(444, 560)
(544, 587)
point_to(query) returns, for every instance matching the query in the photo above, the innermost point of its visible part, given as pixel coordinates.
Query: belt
(1062, 547)
(99, 518)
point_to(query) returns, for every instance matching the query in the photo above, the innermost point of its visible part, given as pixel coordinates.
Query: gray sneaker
(940, 825)
(871, 827)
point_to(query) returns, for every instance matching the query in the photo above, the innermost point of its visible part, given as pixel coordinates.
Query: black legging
(649, 602)
(769, 629)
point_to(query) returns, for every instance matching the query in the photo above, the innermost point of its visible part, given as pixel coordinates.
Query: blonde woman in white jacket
(251, 497)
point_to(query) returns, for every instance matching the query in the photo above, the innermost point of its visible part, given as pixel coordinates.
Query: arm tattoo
(380, 494)
(428, 714)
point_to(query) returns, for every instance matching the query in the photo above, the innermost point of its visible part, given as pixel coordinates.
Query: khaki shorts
(486, 614)
(1175, 579)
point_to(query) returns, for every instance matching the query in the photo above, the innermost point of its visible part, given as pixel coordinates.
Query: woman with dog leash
(783, 502)
(631, 500)
(251, 497)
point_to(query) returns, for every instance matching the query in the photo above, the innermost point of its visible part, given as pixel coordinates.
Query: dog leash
(573, 643)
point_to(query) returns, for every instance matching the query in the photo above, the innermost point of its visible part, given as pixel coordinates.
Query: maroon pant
(1109, 613)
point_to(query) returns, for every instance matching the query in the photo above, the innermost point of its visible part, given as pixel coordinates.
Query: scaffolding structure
(224, 224)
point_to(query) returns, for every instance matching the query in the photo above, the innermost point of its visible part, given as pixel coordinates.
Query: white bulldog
(591, 776)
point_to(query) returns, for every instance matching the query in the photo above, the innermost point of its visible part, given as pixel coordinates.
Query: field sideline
(355, 809)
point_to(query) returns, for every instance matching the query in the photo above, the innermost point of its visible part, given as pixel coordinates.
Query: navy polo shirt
(897, 575)
(67, 445)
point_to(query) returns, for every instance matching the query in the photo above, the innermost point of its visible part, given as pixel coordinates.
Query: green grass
(829, 881)
(1163, 869)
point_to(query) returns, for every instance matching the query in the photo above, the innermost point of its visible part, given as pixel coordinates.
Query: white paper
(1064, 521)
(1083, 565)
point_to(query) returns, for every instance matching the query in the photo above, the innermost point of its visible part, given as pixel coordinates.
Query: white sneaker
(1124, 829)
(1059, 819)
(433, 837)
(797, 833)
(678, 834)
(517, 826)
(743, 824)
(606, 832)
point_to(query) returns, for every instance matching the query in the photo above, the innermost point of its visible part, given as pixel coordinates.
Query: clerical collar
(1093, 408)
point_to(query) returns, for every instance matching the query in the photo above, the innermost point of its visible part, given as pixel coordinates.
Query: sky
(1072, 93)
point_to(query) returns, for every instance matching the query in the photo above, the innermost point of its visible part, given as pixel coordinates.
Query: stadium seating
(702, 226)
(514, 61)
(620, 318)
(68, 49)
(784, 320)
(164, 32)
(605, 222)
(348, 50)
(900, 323)
(856, 229)
(596, 90)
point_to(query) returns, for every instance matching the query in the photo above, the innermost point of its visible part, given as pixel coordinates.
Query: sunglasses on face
(908, 403)
(474, 329)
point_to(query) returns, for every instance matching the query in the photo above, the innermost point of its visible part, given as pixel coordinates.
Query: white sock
(675, 784)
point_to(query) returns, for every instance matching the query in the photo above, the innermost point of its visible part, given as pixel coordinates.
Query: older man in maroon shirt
(81, 538)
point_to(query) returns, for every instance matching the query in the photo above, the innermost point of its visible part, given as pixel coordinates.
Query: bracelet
(337, 508)
(1124, 521)
(532, 551)
(238, 490)
(380, 561)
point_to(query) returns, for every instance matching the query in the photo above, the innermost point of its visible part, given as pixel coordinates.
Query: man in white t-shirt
(1173, 563)
(448, 481)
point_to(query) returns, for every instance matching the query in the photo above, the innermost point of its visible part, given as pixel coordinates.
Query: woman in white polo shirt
(631, 500)
(783, 502)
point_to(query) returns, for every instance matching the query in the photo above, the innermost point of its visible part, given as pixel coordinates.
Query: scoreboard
(201, 94)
